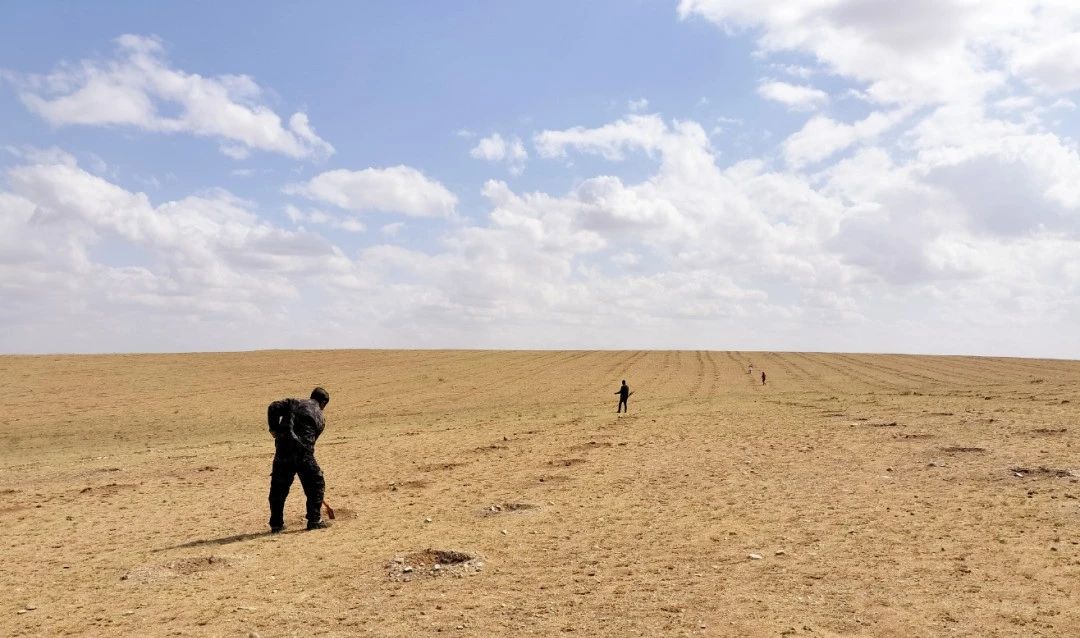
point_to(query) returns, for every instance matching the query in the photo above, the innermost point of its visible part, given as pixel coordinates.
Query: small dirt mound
(567, 462)
(433, 467)
(107, 490)
(552, 478)
(591, 445)
(506, 508)
(403, 485)
(915, 435)
(494, 447)
(884, 424)
(1044, 472)
(1049, 430)
(344, 514)
(433, 563)
(953, 449)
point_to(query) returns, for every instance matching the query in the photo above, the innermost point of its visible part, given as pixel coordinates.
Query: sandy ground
(884, 495)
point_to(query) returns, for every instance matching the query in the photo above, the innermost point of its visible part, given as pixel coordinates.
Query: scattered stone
(754, 557)
(427, 520)
(935, 464)
(503, 532)
(31, 607)
(781, 552)
(407, 568)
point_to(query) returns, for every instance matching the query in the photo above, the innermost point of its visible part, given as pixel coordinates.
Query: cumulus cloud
(208, 255)
(496, 149)
(138, 88)
(396, 189)
(611, 141)
(822, 137)
(795, 96)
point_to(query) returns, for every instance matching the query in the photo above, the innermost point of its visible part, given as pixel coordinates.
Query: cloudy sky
(813, 175)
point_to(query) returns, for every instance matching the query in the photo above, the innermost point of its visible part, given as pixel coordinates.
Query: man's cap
(320, 395)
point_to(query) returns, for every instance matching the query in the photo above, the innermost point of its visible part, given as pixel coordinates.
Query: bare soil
(880, 495)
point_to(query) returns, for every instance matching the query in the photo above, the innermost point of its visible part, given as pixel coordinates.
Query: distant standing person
(624, 394)
(762, 377)
(296, 424)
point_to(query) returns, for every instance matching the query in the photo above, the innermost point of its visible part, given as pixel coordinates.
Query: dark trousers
(311, 478)
(622, 406)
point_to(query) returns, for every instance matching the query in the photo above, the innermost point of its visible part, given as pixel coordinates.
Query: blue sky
(698, 174)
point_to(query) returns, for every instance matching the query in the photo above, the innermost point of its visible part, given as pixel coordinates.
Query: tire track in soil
(950, 374)
(900, 364)
(820, 378)
(920, 379)
(701, 375)
(714, 369)
(823, 360)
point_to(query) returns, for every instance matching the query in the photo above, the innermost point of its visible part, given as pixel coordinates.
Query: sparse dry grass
(884, 495)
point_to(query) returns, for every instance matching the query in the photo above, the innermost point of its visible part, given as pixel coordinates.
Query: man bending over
(296, 424)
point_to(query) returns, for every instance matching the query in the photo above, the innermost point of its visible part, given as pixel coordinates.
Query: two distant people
(624, 394)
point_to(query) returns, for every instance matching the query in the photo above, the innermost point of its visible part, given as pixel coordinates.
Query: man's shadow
(225, 540)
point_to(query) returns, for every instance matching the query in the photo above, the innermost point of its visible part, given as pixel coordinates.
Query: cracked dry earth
(879, 496)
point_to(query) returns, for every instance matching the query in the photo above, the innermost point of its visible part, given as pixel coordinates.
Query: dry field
(879, 495)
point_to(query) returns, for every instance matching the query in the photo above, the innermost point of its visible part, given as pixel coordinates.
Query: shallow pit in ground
(178, 567)
(507, 508)
(402, 485)
(433, 563)
(567, 462)
(1044, 472)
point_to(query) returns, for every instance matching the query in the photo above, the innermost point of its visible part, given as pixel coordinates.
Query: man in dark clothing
(296, 424)
(762, 377)
(624, 394)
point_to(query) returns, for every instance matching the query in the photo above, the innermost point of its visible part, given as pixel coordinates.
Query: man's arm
(280, 418)
(274, 412)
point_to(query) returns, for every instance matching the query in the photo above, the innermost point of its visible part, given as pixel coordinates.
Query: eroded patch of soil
(433, 563)
(1044, 472)
(506, 508)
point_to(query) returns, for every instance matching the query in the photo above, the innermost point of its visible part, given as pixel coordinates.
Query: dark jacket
(296, 424)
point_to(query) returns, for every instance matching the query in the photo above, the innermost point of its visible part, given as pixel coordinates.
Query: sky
(799, 175)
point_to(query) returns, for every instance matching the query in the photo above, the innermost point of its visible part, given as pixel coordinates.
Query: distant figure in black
(624, 394)
(296, 424)
(762, 377)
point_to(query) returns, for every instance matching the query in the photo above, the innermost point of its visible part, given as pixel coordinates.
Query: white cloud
(323, 218)
(496, 149)
(397, 189)
(638, 105)
(610, 141)
(139, 89)
(794, 96)
(822, 137)
(196, 261)
(919, 51)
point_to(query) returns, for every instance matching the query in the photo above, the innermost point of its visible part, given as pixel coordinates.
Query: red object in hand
(329, 510)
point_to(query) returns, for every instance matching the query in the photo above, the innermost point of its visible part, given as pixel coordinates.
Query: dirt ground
(498, 494)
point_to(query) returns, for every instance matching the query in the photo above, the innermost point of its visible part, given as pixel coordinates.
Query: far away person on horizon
(624, 394)
(762, 377)
(296, 424)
